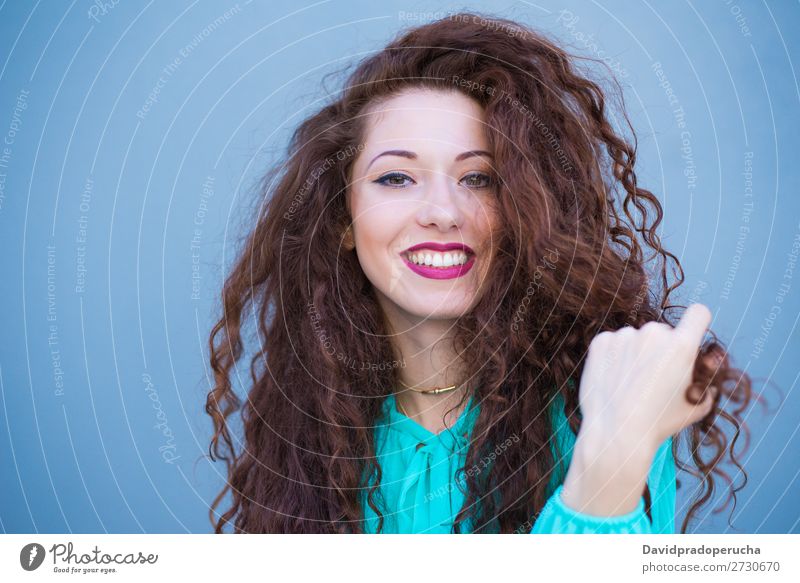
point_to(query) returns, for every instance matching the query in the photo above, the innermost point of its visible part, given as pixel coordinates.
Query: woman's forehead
(426, 118)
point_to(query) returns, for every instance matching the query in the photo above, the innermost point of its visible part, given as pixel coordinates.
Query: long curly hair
(569, 265)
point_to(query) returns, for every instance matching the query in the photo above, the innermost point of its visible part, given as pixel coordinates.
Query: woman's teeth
(435, 259)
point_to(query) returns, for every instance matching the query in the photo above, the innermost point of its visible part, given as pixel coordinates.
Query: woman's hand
(632, 398)
(633, 386)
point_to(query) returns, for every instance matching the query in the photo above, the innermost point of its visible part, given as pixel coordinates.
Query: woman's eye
(477, 180)
(394, 179)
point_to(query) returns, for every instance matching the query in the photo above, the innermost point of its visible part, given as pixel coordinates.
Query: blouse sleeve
(558, 518)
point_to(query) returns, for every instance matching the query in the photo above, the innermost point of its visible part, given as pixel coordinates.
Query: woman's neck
(430, 361)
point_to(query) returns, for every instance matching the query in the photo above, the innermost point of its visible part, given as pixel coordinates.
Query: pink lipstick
(432, 272)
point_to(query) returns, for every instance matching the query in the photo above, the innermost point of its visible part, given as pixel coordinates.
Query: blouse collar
(452, 438)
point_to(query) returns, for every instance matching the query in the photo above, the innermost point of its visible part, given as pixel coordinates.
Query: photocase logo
(31, 556)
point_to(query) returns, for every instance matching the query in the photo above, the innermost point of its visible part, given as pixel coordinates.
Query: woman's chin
(442, 309)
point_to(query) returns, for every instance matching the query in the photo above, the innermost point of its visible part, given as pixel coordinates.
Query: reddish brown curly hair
(567, 193)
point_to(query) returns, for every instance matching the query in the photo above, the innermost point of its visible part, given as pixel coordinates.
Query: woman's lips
(440, 272)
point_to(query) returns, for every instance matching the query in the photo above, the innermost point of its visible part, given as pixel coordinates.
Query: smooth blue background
(89, 460)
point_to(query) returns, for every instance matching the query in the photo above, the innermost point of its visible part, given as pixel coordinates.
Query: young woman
(454, 326)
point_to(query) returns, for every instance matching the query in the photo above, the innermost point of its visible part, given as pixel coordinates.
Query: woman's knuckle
(600, 342)
(651, 327)
(604, 336)
(684, 342)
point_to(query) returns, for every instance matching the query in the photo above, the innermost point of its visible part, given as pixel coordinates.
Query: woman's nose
(439, 204)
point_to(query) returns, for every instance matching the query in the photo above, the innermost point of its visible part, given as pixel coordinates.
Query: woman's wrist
(605, 477)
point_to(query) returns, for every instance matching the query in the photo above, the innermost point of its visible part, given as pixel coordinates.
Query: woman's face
(421, 199)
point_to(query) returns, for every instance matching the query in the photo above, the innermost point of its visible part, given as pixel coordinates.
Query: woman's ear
(348, 241)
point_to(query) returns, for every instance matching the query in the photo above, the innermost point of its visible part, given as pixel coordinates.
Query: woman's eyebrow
(465, 155)
(413, 156)
(402, 153)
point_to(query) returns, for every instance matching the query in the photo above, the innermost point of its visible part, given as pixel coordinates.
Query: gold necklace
(431, 391)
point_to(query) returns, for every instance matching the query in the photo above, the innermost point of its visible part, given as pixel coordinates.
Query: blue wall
(134, 134)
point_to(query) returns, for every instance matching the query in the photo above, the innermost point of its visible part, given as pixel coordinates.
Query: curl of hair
(576, 228)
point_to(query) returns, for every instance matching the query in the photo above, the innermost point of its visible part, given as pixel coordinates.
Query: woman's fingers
(705, 406)
(694, 324)
(638, 378)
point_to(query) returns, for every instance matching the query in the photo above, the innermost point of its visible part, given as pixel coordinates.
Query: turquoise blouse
(421, 497)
